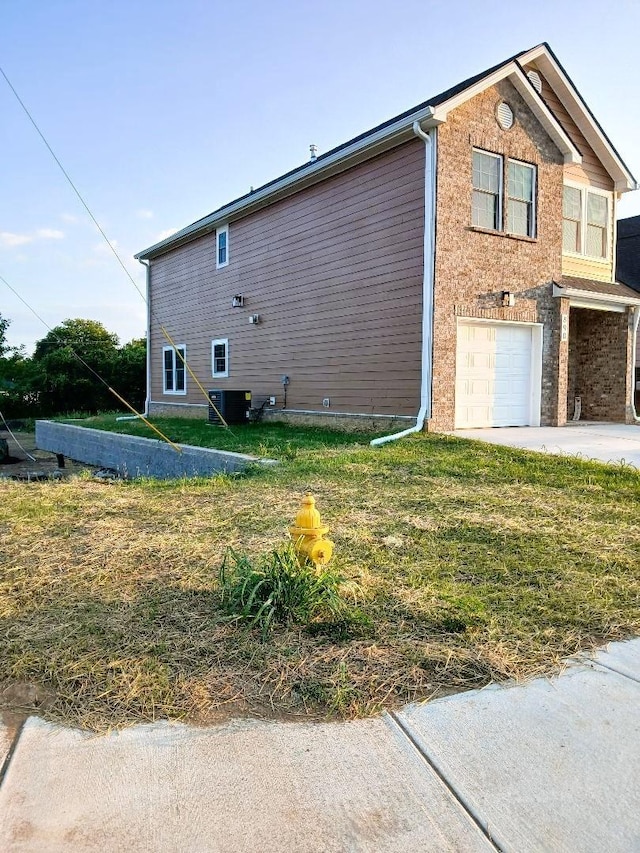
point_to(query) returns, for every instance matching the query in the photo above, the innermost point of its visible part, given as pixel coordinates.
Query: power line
(90, 369)
(72, 185)
(113, 250)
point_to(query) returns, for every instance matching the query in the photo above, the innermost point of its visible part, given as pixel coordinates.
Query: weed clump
(279, 588)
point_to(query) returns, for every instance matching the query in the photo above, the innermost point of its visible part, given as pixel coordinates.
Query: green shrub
(278, 588)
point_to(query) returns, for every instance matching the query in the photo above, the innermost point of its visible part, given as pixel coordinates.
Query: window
(520, 206)
(487, 190)
(222, 246)
(585, 222)
(174, 373)
(487, 204)
(220, 357)
(571, 216)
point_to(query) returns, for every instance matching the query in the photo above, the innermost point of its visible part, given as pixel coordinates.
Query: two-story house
(452, 267)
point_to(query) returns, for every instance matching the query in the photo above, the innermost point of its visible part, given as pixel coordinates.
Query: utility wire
(176, 447)
(71, 184)
(111, 247)
(26, 452)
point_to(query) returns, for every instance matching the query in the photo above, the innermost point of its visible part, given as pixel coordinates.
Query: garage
(498, 369)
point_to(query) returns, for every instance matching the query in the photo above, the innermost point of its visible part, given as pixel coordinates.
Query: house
(452, 267)
(628, 271)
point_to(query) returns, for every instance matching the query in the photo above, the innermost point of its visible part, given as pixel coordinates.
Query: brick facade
(474, 267)
(600, 349)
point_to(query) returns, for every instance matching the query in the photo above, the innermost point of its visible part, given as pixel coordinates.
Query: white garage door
(493, 375)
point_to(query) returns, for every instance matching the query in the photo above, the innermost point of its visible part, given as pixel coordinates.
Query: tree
(131, 372)
(66, 362)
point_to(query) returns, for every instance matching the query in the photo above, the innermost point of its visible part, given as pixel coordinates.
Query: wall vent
(535, 80)
(505, 116)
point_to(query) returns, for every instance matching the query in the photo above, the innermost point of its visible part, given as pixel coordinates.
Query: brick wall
(473, 267)
(599, 347)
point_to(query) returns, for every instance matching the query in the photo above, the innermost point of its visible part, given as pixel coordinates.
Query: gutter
(430, 140)
(147, 399)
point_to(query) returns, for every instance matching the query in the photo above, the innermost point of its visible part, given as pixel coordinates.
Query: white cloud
(68, 217)
(103, 248)
(164, 234)
(50, 234)
(10, 240)
(144, 214)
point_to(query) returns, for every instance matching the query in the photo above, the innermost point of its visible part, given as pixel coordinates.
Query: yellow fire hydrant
(308, 534)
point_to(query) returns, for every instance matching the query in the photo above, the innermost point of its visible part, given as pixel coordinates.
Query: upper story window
(220, 357)
(487, 190)
(520, 205)
(174, 373)
(585, 221)
(222, 246)
(488, 204)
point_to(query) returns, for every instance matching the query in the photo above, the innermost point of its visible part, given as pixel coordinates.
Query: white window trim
(534, 200)
(222, 229)
(225, 374)
(500, 185)
(585, 189)
(176, 360)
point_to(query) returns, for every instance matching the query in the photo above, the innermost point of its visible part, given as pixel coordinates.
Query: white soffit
(572, 102)
(596, 301)
(515, 74)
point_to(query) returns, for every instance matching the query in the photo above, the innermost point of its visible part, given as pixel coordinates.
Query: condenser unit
(234, 406)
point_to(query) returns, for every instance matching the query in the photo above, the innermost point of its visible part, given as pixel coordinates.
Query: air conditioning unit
(234, 406)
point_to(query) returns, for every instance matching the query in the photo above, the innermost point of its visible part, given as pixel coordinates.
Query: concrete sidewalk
(553, 765)
(615, 444)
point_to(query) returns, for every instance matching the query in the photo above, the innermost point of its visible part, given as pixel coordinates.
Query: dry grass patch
(468, 564)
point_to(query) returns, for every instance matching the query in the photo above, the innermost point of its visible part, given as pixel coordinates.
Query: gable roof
(628, 251)
(574, 103)
(428, 114)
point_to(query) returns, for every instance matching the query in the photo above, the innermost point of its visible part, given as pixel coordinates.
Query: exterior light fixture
(508, 299)
(237, 301)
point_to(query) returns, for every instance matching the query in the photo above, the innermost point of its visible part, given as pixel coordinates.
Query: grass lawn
(466, 562)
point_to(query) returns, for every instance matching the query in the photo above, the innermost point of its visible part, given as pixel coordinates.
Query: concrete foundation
(132, 456)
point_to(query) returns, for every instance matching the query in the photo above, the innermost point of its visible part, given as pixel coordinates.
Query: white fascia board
(360, 150)
(598, 301)
(572, 102)
(514, 73)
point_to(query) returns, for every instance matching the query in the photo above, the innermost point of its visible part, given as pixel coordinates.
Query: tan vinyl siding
(335, 273)
(590, 171)
(574, 265)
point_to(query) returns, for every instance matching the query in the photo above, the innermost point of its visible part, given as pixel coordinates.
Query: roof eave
(513, 72)
(586, 296)
(362, 149)
(577, 108)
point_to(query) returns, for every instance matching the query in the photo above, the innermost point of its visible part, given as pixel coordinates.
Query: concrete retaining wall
(132, 456)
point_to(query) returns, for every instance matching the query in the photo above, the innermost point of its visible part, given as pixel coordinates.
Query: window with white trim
(585, 222)
(174, 379)
(521, 185)
(220, 357)
(486, 208)
(222, 246)
(488, 204)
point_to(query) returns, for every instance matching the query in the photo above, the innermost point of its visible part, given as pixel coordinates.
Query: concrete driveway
(616, 444)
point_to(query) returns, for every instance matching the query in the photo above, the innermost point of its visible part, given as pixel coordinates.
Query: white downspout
(147, 266)
(636, 321)
(430, 142)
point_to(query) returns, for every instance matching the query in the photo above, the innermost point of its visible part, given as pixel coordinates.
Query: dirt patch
(42, 466)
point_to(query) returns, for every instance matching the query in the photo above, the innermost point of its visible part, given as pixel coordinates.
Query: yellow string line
(193, 376)
(176, 447)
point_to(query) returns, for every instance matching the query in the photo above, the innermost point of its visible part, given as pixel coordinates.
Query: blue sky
(163, 111)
